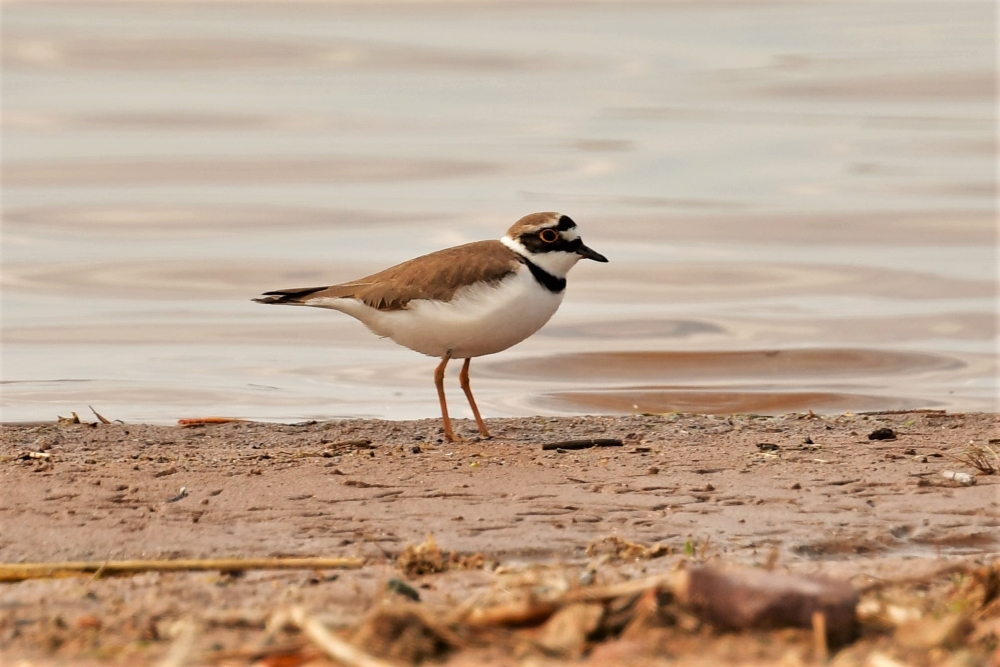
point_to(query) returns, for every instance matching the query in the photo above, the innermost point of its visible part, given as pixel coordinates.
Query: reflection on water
(637, 401)
(753, 365)
(798, 202)
(757, 381)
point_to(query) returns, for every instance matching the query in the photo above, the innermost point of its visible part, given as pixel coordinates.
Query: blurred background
(798, 201)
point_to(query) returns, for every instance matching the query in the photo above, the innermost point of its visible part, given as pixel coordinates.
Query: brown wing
(435, 276)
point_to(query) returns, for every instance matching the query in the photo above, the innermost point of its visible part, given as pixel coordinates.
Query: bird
(462, 302)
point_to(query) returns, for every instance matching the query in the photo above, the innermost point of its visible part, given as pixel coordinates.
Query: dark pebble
(400, 587)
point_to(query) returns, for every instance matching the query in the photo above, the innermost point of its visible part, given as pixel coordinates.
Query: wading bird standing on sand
(462, 302)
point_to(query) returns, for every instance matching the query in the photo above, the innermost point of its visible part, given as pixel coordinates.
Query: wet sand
(812, 493)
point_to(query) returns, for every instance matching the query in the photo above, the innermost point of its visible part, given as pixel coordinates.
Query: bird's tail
(297, 296)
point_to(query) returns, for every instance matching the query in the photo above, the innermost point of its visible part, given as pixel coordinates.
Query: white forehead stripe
(570, 234)
(515, 245)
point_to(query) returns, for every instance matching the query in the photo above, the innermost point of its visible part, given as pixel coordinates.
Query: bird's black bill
(587, 253)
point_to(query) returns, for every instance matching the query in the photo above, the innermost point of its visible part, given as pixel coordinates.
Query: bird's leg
(463, 379)
(449, 434)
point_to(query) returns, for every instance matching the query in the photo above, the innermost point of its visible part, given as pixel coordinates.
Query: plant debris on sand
(687, 545)
(428, 558)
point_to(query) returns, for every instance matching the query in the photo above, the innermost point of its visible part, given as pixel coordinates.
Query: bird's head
(551, 241)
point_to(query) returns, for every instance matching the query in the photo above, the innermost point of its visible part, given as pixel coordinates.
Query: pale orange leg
(449, 434)
(463, 379)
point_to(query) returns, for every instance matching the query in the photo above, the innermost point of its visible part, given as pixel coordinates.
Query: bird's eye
(549, 235)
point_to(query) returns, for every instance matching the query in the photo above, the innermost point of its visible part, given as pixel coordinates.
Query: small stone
(882, 434)
(400, 587)
(741, 598)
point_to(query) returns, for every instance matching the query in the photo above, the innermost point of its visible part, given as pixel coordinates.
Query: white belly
(478, 320)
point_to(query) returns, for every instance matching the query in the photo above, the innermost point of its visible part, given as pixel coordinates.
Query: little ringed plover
(462, 302)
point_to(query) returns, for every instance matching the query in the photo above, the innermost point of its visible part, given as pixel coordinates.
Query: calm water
(798, 202)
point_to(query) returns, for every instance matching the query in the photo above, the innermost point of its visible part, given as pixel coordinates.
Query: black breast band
(544, 278)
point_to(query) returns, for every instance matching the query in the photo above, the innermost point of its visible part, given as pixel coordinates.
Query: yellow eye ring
(549, 235)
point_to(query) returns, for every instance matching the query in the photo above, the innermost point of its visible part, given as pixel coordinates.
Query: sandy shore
(812, 494)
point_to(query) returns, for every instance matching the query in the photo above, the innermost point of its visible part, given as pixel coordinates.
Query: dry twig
(583, 444)
(201, 421)
(821, 648)
(981, 457)
(23, 571)
(879, 584)
(333, 646)
(99, 416)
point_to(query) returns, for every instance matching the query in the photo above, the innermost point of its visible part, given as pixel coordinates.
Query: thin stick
(98, 415)
(23, 571)
(821, 651)
(671, 581)
(521, 612)
(583, 444)
(248, 654)
(923, 411)
(334, 646)
(921, 578)
(525, 612)
(98, 572)
(201, 421)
